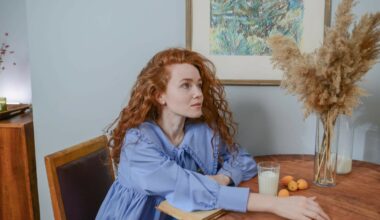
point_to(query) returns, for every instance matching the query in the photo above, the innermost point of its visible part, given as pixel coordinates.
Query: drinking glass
(269, 174)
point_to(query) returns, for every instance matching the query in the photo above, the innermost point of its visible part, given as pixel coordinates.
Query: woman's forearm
(293, 207)
(260, 203)
(221, 179)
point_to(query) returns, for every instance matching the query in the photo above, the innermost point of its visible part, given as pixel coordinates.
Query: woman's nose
(197, 92)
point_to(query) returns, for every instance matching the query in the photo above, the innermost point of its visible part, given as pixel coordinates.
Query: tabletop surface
(356, 195)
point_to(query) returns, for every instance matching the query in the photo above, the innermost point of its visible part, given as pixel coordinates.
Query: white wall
(15, 80)
(85, 55)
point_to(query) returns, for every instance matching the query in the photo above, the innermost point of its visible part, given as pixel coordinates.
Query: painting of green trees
(241, 27)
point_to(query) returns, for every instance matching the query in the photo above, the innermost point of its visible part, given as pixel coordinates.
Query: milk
(344, 164)
(268, 182)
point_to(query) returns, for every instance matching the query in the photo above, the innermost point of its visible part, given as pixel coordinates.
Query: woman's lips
(196, 105)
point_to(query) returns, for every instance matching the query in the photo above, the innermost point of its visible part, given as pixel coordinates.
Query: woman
(174, 141)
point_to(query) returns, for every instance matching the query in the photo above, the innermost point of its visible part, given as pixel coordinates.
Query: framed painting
(233, 33)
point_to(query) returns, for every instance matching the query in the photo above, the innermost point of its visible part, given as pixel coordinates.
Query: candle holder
(3, 104)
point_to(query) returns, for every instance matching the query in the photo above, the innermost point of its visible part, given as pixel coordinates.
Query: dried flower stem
(326, 80)
(324, 158)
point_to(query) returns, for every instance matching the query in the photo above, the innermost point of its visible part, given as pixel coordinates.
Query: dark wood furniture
(18, 181)
(13, 110)
(79, 178)
(356, 195)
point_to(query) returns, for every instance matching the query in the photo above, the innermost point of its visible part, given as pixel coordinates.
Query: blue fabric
(151, 169)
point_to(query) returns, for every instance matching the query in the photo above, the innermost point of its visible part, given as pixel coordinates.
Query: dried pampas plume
(326, 80)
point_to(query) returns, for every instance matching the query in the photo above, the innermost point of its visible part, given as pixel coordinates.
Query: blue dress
(151, 169)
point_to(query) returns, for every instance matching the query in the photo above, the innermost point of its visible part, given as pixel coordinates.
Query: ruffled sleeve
(239, 166)
(158, 175)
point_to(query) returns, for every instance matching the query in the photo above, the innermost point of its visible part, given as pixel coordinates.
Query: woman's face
(183, 95)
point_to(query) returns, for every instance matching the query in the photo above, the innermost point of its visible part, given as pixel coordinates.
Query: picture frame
(251, 69)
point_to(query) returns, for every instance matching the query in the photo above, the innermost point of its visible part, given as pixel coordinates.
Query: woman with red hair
(175, 141)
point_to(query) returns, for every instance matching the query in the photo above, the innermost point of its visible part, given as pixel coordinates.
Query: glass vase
(345, 145)
(326, 141)
(3, 104)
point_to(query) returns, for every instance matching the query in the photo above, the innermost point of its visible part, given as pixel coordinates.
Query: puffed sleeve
(156, 174)
(239, 166)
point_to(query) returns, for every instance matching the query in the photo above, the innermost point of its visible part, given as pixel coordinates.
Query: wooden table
(356, 195)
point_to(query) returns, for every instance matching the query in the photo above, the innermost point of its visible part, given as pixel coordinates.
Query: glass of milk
(269, 174)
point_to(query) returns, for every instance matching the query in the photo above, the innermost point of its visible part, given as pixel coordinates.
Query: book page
(196, 215)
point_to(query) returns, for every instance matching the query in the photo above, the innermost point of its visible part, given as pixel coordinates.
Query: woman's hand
(221, 179)
(293, 207)
(299, 207)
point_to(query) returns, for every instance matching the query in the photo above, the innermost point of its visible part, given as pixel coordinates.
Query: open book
(196, 215)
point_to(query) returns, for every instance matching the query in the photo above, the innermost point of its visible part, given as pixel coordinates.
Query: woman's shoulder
(145, 132)
(150, 133)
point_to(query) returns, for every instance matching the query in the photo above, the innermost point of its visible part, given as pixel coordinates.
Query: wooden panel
(354, 196)
(31, 172)
(18, 188)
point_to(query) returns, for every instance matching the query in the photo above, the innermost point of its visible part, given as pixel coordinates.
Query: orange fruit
(292, 186)
(302, 184)
(283, 193)
(286, 179)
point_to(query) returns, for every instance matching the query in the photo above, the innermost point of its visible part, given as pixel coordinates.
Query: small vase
(326, 151)
(345, 145)
(3, 104)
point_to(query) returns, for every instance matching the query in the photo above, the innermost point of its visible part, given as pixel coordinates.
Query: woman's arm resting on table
(155, 173)
(293, 207)
(221, 179)
(240, 167)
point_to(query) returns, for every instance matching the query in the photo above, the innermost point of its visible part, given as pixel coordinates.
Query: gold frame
(189, 33)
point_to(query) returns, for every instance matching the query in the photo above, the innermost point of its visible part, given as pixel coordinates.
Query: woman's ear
(160, 98)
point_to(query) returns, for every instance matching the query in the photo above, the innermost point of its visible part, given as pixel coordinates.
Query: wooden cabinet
(18, 182)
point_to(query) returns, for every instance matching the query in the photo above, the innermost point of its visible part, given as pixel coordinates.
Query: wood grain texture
(18, 182)
(356, 195)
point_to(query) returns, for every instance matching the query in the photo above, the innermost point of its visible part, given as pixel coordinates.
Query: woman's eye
(185, 85)
(200, 85)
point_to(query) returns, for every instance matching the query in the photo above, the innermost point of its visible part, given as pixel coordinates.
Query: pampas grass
(326, 81)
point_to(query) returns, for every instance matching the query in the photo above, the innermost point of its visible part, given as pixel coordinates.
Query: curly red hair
(153, 79)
